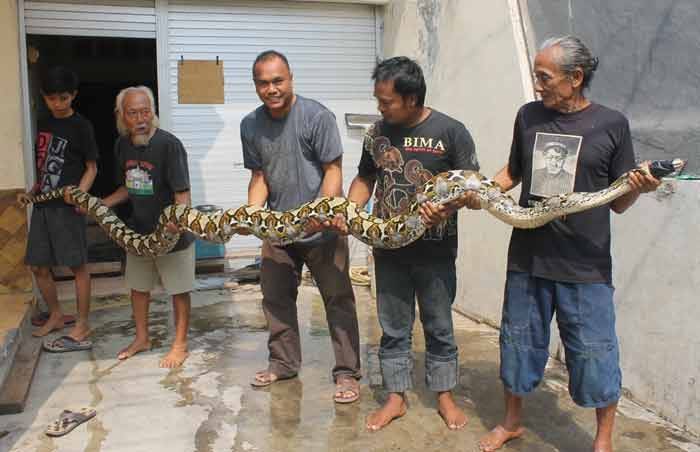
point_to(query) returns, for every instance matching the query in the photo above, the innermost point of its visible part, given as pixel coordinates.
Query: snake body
(289, 226)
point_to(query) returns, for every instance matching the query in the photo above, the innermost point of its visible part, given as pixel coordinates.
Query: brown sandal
(346, 384)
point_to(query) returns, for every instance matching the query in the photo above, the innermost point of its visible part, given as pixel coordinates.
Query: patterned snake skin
(286, 227)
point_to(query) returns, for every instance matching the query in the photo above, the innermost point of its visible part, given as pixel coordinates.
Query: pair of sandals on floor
(347, 388)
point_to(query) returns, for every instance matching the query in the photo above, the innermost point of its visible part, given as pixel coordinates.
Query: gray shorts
(175, 271)
(57, 236)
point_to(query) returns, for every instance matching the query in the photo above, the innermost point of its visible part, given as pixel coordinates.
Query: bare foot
(450, 412)
(175, 357)
(497, 437)
(602, 446)
(54, 323)
(394, 408)
(263, 378)
(80, 331)
(135, 347)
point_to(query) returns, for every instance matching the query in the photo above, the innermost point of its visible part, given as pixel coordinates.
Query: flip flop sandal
(269, 378)
(66, 344)
(68, 420)
(345, 385)
(41, 318)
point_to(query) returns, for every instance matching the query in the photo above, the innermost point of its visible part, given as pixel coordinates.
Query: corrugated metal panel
(125, 19)
(331, 49)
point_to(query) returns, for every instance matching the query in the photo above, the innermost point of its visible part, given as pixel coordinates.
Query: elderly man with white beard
(153, 173)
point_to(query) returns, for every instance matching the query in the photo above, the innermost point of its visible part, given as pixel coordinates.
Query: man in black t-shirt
(152, 174)
(407, 147)
(66, 154)
(564, 266)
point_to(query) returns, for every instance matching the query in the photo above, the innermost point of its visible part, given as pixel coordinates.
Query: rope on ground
(359, 275)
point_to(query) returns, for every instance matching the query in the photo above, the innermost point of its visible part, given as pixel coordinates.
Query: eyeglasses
(134, 114)
(545, 78)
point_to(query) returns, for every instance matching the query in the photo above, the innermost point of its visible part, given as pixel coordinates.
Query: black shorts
(57, 236)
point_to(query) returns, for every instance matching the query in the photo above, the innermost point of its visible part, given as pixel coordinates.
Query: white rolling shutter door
(111, 18)
(331, 49)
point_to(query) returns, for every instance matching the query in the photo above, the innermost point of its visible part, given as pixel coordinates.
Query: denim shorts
(586, 320)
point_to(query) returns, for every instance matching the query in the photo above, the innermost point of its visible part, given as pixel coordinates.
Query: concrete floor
(209, 406)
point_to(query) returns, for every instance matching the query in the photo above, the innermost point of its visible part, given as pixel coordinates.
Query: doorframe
(28, 145)
(163, 64)
(162, 79)
(162, 72)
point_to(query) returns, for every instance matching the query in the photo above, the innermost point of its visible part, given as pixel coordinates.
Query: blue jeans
(586, 320)
(433, 282)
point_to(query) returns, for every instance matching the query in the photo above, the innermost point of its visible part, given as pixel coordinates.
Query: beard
(142, 139)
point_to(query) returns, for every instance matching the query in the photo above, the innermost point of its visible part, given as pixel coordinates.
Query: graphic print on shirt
(50, 157)
(554, 162)
(402, 179)
(138, 177)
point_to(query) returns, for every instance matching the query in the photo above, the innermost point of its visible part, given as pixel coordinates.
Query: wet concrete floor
(209, 405)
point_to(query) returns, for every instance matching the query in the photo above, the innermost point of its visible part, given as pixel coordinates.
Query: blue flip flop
(66, 344)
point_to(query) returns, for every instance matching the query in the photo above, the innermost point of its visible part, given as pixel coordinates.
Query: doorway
(104, 65)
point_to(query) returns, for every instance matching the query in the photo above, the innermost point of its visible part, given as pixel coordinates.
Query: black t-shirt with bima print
(402, 159)
(152, 174)
(63, 147)
(557, 153)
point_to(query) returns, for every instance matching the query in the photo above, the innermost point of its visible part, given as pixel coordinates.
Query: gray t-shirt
(152, 174)
(291, 151)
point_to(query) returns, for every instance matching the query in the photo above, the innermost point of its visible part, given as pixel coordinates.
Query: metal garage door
(114, 18)
(331, 49)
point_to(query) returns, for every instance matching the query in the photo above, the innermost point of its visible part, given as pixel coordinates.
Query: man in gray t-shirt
(292, 146)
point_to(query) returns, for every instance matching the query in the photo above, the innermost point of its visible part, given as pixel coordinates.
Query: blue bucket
(204, 249)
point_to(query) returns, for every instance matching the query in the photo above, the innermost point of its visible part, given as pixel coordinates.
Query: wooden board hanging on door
(200, 81)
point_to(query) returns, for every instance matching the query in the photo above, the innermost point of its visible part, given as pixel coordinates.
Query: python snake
(286, 227)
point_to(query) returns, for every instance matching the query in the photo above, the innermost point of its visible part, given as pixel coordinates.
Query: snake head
(663, 168)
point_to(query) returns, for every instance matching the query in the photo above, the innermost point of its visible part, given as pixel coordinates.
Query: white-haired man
(565, 266)
(153, 173)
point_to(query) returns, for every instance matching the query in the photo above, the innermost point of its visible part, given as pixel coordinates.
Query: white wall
(469, 53)
(656, 266)
(11, 163)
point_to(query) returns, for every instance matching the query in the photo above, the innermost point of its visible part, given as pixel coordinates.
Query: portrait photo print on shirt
(554, 163)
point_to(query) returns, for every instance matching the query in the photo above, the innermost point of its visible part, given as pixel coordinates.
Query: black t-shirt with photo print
(402, 159)
(152, 174)
(63, 146)
(575, 248)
